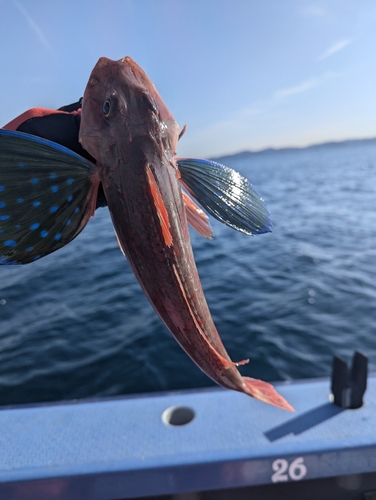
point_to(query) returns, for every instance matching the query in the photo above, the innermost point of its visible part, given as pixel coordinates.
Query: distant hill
(332, 144)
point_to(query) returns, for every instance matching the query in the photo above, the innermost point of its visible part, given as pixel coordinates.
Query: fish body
(127, 127)
(48, 192)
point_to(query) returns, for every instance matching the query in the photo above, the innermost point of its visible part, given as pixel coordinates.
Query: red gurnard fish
(128, 129)
(48, 193)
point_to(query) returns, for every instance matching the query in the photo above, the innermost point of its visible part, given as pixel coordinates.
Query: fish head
(121, 104)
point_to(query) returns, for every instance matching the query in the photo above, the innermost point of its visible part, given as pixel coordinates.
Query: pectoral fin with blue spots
(47, 195)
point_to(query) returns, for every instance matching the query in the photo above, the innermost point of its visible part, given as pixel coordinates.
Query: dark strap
(72, 107)
(62, 128)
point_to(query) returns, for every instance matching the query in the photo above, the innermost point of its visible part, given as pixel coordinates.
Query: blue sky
(241, 74)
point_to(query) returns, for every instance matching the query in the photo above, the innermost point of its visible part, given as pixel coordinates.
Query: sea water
(76, 323)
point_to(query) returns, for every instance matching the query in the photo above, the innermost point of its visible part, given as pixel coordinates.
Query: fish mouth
(84, 134)
(89, 138)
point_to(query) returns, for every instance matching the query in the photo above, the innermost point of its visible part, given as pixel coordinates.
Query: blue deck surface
(122, 449)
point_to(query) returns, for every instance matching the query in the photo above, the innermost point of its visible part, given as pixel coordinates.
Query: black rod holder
(348, 388)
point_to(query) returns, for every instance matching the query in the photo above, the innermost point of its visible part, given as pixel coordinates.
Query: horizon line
(284, 148)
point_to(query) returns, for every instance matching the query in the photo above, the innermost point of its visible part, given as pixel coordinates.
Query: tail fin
(265, 392)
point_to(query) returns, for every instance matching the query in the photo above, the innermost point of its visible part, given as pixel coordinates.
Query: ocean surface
(76, 323)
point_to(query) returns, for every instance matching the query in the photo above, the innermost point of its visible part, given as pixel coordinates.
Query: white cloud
(33, 25)
(306, 85)
(243, 123)
(297, 89)
(333, 49)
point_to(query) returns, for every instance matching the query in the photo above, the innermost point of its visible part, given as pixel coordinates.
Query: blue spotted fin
(47, 195)
(226, 195)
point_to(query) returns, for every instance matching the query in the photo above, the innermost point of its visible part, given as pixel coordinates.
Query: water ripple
(76, 324)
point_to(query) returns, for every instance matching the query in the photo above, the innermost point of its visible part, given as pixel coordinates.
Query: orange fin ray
(197, 217)
(160, 207)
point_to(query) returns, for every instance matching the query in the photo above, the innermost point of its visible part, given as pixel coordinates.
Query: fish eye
(106, 108)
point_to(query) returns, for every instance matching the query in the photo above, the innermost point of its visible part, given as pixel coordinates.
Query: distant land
(331, 144)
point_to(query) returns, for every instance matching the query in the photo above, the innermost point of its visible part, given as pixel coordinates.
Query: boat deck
(183, 443)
